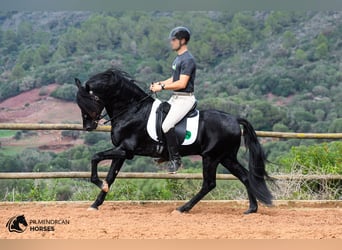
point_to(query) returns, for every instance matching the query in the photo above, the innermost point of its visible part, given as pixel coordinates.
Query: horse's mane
(109, 74)
(119, 78)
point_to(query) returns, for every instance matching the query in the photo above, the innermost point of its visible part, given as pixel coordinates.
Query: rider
(182, 84)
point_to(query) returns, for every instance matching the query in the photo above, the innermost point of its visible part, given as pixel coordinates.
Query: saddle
(180, 128)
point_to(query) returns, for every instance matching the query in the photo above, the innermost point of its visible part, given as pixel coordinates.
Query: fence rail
(35, 126)
(124, 175)
(132, 175)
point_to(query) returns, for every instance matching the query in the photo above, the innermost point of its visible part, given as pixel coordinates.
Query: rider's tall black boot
(172, 144)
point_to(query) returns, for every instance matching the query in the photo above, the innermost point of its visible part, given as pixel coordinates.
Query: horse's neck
(120, 109)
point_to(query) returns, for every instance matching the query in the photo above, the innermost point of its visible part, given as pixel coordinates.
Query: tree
(263, 115)
(18, 71)
(10, 164)
(280, 127)
(60, 163)
(1, 36)
(321, 46)
(41, 55)
(41, 167)
(10, 42)
(93, 138)
(241, 38)
(25, 32)
(68, 43)
(289, 39)
(27, 57)
(203, 52)
(285, 87)
(31, 157)
(71, 134)
(300, 57)
(246, 20)
(336, 126)
(277, 21)
(302, 115)
(321, 50)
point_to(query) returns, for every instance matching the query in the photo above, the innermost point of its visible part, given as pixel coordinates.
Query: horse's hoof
(105, 187)
(92, 209)
(176, 212)
(251, 211)
(182, 210)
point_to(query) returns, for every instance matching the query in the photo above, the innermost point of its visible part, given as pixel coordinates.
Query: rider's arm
(167, 81)
(177, 85)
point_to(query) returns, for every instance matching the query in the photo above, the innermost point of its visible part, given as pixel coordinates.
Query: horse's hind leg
(112, 173)
(209, 183)
(236, 169)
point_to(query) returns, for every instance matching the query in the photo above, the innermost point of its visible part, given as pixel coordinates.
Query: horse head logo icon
(17, 224)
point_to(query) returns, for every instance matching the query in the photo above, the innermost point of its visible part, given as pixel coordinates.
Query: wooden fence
(130, 175)
(34, 126)
(45, 175)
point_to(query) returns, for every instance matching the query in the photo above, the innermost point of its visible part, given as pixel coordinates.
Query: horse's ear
(87, 88)
(78, 83)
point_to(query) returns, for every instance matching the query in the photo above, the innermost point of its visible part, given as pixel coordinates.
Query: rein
(125, 110)
(97, 99)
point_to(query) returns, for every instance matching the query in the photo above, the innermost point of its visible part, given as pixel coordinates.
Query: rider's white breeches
(180, 106)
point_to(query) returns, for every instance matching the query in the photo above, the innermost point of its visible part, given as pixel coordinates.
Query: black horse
(128, 106)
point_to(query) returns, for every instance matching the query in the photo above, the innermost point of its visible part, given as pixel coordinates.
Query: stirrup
(174, 166)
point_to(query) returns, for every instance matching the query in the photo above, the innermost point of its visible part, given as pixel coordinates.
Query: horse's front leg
(112, 173)
(105, 155)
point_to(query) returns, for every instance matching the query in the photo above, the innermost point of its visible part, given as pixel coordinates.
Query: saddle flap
(161, 113)
(186, 130)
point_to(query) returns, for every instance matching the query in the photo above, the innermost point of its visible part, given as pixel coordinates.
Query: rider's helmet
(180, 33)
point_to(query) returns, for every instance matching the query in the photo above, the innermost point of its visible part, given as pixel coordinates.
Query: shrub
(71, 134)
(65, 92)
(325, 158)
(93, 138)
(43, 91)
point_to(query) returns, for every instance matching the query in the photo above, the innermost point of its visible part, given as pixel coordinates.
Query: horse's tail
(257, 173)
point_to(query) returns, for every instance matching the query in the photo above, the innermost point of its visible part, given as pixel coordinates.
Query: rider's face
(176, 44)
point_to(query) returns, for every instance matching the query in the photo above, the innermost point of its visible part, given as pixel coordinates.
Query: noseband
(96, 100)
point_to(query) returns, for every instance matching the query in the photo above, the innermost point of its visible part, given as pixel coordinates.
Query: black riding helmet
(180, 33)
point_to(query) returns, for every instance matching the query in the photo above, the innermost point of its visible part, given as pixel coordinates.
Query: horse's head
(90, 104)
(21, 220)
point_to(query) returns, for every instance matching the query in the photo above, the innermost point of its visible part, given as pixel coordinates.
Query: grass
(11, 150)
(7, 133)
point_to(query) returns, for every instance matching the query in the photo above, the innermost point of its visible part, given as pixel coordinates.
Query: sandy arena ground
(208, 220)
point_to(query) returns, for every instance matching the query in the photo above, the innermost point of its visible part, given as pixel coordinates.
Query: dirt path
(217, 220)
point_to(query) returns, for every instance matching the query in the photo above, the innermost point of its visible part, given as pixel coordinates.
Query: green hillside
(280, 70)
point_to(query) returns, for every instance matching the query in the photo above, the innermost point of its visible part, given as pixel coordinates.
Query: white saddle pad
(191, 125)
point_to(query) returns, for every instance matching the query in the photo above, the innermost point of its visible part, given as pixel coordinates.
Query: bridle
(100, 117)
(96, 100)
